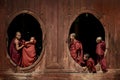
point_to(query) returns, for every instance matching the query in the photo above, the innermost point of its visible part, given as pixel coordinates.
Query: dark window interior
(28, 26)
(87, 28)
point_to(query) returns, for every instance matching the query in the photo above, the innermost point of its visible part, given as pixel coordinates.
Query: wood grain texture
(56, 17)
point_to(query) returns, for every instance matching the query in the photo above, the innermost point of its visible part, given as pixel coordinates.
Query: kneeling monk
(88, 63)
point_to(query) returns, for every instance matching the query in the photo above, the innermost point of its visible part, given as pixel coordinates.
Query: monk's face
(72, 37)
(32, 39)
(98, 41)
(18, 35)
(85, 57)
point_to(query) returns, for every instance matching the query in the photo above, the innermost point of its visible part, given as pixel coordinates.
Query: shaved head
(98, 39)
(18, 35)
(72, 36)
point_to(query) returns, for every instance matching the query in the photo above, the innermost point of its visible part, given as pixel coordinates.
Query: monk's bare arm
(27, 42)
(17, 45)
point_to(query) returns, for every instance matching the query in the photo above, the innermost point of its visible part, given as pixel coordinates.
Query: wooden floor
(110, 75)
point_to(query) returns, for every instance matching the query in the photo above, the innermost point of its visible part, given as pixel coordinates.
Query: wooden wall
(56, 17)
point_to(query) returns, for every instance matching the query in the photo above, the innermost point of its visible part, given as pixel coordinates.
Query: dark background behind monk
(28, 26)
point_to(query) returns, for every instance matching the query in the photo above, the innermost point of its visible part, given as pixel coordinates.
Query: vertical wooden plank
(52, 16)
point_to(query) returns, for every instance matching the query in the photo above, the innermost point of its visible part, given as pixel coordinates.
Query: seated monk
(88, 63)
(29, 53)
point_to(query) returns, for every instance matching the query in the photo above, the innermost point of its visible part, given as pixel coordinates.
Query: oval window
(24, 40)
(86, 28)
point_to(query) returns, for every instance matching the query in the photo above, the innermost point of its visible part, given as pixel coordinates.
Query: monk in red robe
(76, 49)
(88, 63)
(15, 48)
(100, 50)
(29, 53)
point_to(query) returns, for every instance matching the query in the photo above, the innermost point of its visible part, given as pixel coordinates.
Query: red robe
(14, 53)
(28, 55)
(76, 51)
(100, 49)
(90, 64)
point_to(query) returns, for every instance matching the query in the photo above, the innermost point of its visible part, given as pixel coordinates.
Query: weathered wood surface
(56, 17)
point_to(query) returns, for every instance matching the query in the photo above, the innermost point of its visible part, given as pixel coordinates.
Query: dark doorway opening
(87, 28)
(28, 26)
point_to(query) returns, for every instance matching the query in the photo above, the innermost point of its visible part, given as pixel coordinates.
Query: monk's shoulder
(102, 43)
(16, 41)
(78, 42)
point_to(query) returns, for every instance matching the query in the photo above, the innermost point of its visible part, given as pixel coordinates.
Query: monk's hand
(84, 68)
(23, 45)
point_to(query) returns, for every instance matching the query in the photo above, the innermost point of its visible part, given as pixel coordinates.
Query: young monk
(29, 53)
(100, 51)
(88, 63)
(76, 49)
(16, 48)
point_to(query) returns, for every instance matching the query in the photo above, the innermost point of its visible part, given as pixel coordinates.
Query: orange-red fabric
(28, 55)
(100, 49)
(14, 53)
(76, 51)
(91, 65)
